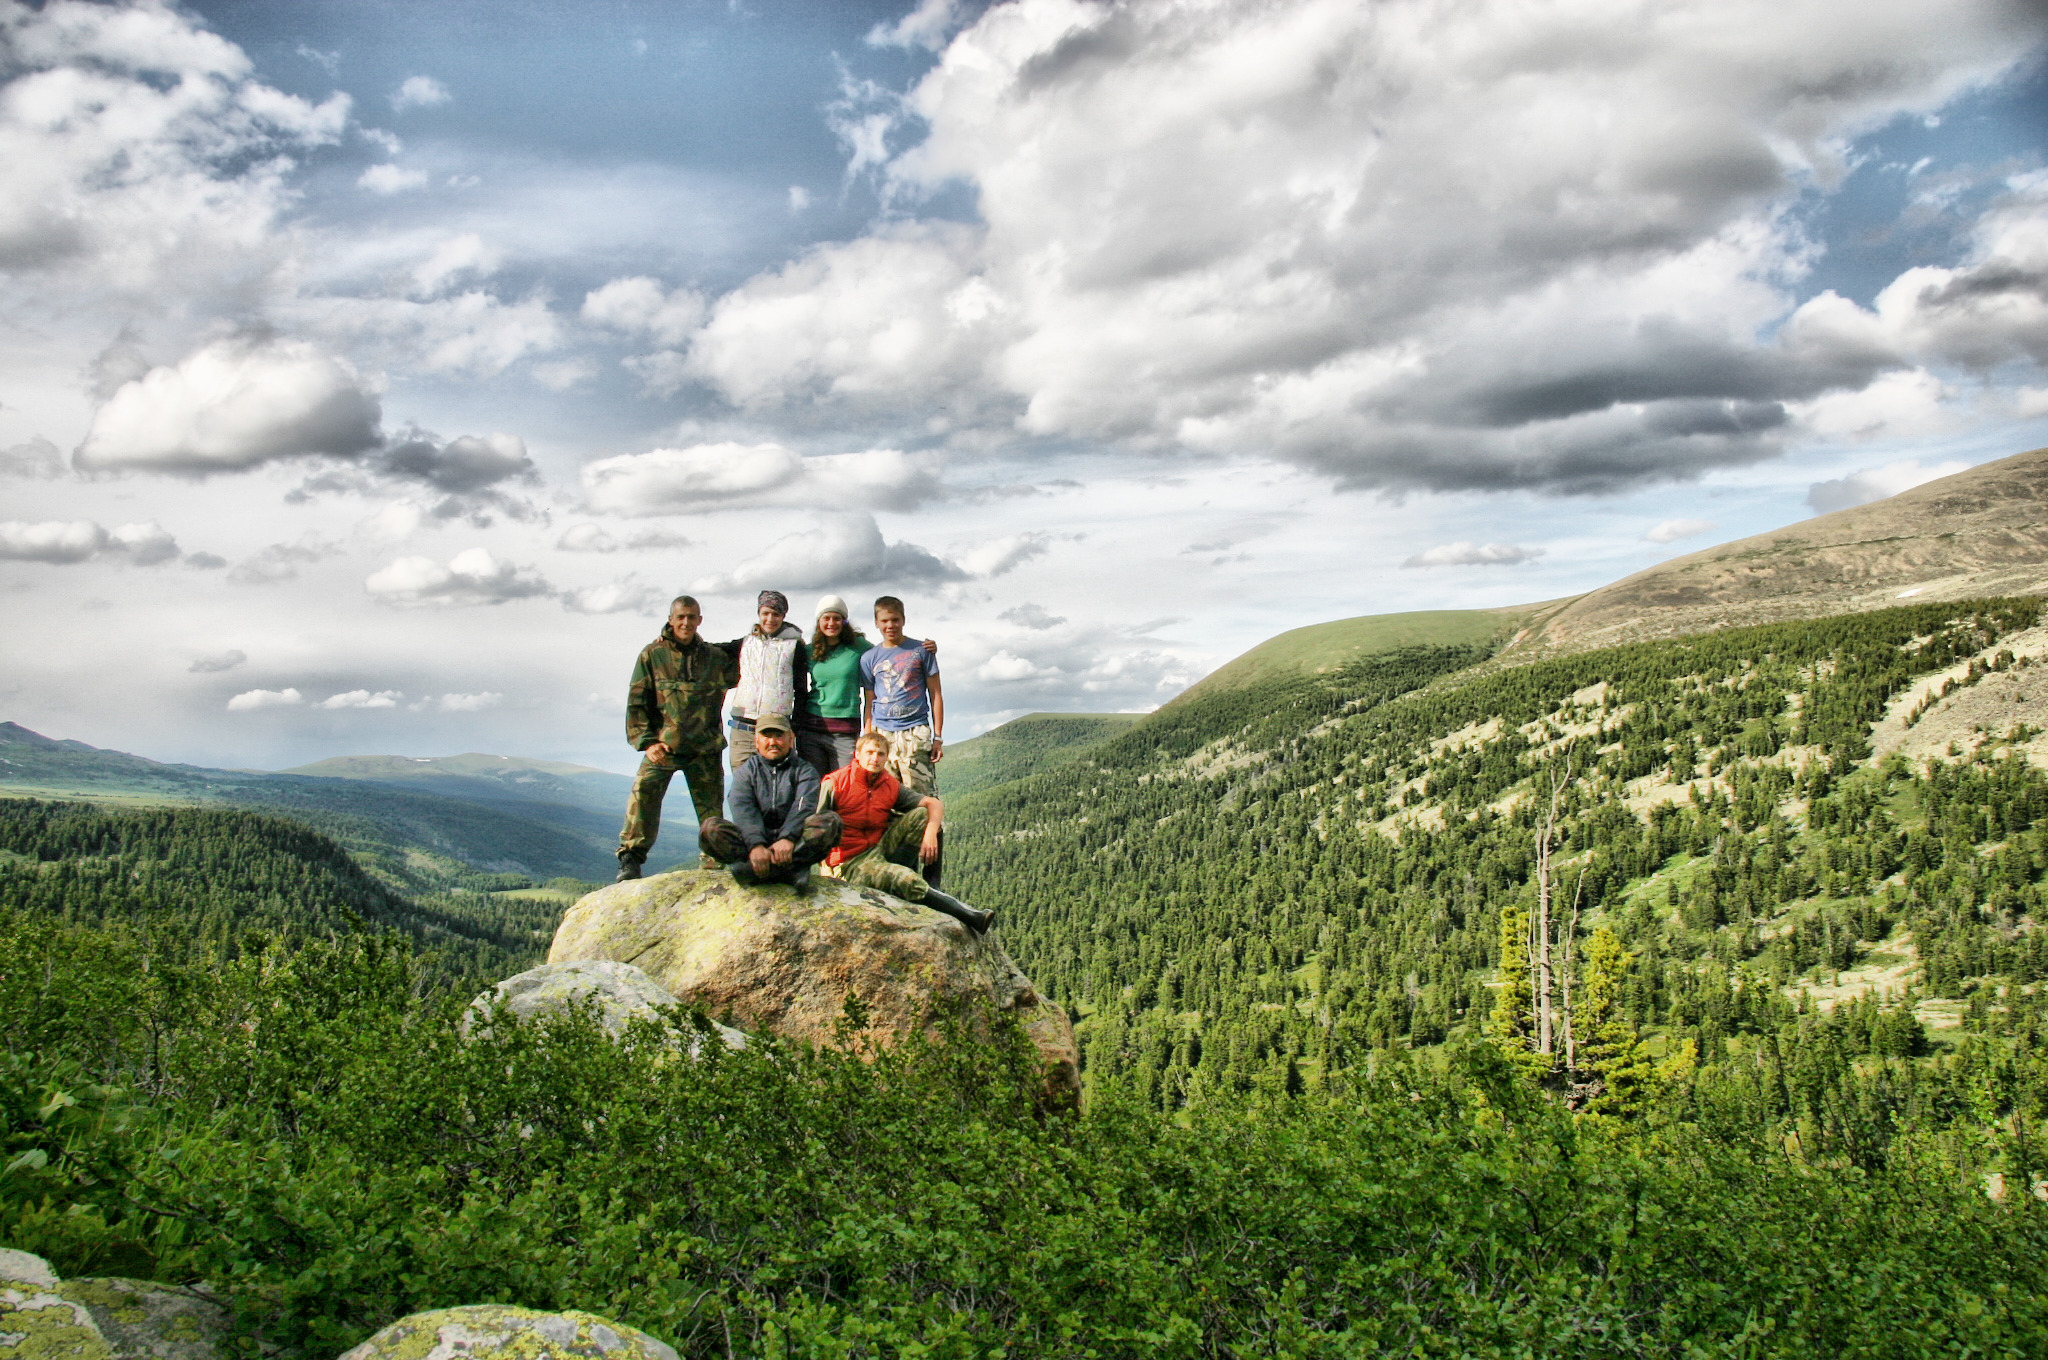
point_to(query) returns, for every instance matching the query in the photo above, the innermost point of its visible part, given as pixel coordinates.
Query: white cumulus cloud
(840, 549)
(469, 703)
(231, 405)
(362, 698)
(1424, 243)
(473, 577)
(639, 305)
(926, 26)
(1672, 530)
(706, 477)
(252, 699)
(999, 555)
(386, 180)
(61, 542)
(461, 254)
(628, 595)
(419, 92)
(142, 157)
(1468, 554)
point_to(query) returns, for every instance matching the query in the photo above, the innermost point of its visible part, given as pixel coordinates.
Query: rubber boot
(934, 873)
(629, 866)
(975, 920)
(801, 880)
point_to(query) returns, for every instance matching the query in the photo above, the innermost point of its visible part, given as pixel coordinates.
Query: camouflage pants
(722, 841)
(890, 865)
(706, 778)
(910, 760)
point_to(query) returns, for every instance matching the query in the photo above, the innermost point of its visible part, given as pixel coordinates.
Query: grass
(1325, 646)
(1024, 746)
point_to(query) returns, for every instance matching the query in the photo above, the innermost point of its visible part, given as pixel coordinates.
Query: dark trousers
(721, 840)
(826, 751)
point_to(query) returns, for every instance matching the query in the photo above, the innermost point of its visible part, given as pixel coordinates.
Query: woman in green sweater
(832, 718)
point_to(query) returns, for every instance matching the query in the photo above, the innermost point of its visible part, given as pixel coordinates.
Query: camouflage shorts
(705, 775)
(891, 864)
(910, 760)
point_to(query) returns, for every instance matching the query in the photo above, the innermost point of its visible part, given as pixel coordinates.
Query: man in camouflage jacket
(672, 718)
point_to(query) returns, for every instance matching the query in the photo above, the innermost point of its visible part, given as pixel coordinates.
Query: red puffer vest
(864, 806)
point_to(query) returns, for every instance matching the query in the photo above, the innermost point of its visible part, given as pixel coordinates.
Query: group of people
(834, 743)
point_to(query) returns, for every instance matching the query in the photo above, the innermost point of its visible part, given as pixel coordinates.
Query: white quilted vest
(765, 685)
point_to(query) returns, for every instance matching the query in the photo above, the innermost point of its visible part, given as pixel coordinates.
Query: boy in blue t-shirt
(902, 682)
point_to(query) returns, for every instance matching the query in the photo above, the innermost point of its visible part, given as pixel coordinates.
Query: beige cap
(830, 604)
(773, 722)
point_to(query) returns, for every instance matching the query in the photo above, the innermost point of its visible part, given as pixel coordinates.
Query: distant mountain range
(513, 781)
(437, 817)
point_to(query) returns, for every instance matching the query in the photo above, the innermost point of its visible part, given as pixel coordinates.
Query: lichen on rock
(142, 1320)
(496, 1331)
(39, 1323)
(784, 963)
(619, 993)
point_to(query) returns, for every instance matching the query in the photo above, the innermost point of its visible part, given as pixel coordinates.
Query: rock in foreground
(497, 1331)
(620, 993)
(785, 964)
(44, 1318)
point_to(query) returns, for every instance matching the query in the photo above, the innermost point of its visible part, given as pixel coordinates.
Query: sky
(373, 373)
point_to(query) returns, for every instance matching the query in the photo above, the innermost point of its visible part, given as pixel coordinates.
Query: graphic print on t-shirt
(897, 676)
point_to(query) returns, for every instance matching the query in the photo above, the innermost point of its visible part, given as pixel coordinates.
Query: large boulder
(784, 963)
(499, 1331)
(619, 992)
(44, 1318)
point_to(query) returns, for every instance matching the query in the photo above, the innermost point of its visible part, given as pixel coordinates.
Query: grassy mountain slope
(1978, 533)
(1289, 876)
(420, 834)
(1329, 646)
(1022, 746)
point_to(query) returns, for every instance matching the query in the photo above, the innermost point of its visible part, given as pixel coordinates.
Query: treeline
(1283, 883)
(190, 884)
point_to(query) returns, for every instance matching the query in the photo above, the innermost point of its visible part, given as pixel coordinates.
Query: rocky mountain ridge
(1981, 532)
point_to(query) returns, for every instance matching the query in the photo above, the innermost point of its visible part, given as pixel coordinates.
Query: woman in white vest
(775, 672)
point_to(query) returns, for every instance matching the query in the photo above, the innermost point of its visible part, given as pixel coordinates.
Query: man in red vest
(888, 829)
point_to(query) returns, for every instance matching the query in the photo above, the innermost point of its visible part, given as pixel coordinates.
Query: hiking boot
(801, 880)
(974, 919)
(629, 867)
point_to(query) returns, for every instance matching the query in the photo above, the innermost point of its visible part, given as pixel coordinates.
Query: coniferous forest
(1624, 1003)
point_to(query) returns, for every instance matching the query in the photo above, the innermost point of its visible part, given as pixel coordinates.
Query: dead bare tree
(1571, 935)
(1540, 959)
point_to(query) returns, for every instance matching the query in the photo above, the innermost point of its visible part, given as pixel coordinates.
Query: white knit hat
(830, 604)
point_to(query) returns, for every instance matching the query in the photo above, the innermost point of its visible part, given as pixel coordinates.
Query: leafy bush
(323, 1145)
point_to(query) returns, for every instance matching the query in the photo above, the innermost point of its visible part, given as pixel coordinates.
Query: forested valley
(1301, 878)
(201, 885)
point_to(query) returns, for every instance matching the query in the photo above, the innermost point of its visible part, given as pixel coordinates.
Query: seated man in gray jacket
(775, 833)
